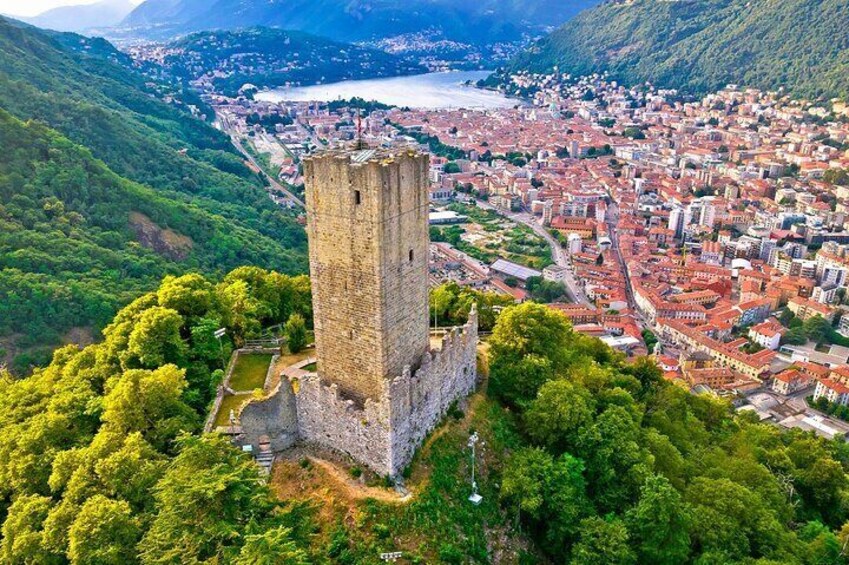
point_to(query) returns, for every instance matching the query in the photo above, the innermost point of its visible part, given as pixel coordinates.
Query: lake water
(431, 90)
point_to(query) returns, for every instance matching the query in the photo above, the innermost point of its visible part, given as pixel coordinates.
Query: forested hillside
(99, 457)
(595, 459)
(619, 466)
(104, 188)
(469, 21)
(699, 46)
(269, 57)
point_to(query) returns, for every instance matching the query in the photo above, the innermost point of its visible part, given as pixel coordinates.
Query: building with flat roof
(446, 217)
(510, 269)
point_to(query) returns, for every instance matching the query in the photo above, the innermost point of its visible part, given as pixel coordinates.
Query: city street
(558, 254)
(226, 127)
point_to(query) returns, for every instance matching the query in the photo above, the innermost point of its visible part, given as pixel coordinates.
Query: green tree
(823, 545)
(208, 495)
(824, 483)
(523, 332)
(242, 311)
(614, 458)
(272, 547)
(23, 538)
(205, 346)
(545, 291)
(155, 340)
(786, 317)
(296, 333)
(558, 413)
(633, 133)
(103, 533)
(649, 338)
(731, 520)
(659, 523)
(150, 402)
(517, 382)
(189, 295)
(836, 176)
(131, 471)
(602, 542)
(451, 168)
(646, 371)
(795, 336)
(549, 493)
(817, 329)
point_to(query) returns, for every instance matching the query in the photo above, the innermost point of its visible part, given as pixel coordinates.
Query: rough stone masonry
(378, 389)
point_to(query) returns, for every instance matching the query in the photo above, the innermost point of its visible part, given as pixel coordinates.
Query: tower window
(357, 197)
(411, 255)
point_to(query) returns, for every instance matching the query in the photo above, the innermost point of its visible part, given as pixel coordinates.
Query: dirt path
(291, 478)
(356, 490)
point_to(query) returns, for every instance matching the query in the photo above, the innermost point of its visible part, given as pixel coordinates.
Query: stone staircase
(265, 457)
(265, 460)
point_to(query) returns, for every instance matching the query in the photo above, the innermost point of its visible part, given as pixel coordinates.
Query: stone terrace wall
(385, 434)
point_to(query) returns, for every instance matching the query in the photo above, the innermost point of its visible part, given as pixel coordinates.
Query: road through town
(235, 139)
(557, 252)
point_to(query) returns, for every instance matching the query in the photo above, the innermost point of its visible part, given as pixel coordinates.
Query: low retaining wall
(224, 387)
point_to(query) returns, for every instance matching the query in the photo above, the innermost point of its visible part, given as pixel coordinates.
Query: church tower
(367, 224)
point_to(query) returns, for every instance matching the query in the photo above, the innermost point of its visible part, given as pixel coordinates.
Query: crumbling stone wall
(385, 433)
(419, 400)
(274, 416)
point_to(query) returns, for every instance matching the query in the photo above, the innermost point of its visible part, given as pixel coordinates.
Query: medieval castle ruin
(379, 388)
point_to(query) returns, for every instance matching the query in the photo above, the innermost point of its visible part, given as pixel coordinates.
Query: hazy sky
(35, 7)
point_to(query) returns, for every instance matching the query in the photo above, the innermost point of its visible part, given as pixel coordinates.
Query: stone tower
(367, 224)
(379, 388)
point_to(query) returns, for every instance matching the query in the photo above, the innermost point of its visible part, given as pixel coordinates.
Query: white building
(555, 273)
(575, 244)
(832, 391)
(767, 334)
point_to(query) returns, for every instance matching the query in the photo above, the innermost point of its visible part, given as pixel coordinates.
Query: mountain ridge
(357, 20)
(801, 45)
(269, 57)
(82, 17)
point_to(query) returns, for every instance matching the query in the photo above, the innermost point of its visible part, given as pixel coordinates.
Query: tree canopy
(620, 466)
(98, 461)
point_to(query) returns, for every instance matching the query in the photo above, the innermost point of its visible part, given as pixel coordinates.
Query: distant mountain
(83, 17)
(356, 20)
(105, 189)
(699, 46)
(269, 57)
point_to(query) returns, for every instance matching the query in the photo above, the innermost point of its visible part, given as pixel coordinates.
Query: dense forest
(105, 188)
(595, 459)
(100, 461)
(800, 45)
(619, 466)
(268, 57)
